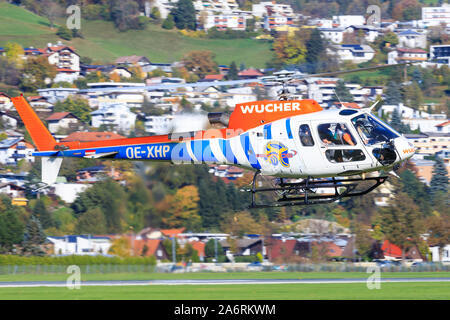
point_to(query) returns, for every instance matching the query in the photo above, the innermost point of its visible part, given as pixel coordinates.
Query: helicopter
(315, 155)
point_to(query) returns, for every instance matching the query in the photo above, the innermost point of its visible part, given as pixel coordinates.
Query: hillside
(103, 43)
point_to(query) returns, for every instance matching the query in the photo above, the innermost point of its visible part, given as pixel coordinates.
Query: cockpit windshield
(372, 131)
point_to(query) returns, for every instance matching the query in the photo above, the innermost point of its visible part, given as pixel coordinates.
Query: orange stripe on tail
(41, 137)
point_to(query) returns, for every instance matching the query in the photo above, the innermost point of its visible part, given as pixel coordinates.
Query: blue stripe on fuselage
(288, 128)
(249, 152)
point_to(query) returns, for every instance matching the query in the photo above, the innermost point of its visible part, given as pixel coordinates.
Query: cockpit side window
(335, 134)
(305, 135)
(372, 130)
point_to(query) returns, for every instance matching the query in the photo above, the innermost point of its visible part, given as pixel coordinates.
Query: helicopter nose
(405, 148)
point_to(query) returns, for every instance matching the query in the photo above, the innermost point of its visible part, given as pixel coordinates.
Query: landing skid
(307, 192)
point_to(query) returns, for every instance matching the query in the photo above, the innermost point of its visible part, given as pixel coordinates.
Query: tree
(91, 222)
(363, 240)
(40, 211)
(290, 49)
(315, 47)
(401, 222)
(77, 106)
(155, 14)
(64, 33)
(413, 95)
(439, 179)
(439, 232)
(125, 14)
(182, 209)
(169, 22)
(241, 223)
(14, 53)
(120, 247)
(11, 228)
(37, 73)
(34, 237)
(51, 10)
(210, 249)
(233, 72)
(342, 93)
(184, 15)
(9, 72)
(200, 63)
(393, 96)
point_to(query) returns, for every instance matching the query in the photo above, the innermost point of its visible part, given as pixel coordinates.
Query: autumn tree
(438, 228)
(14, 53)
(120, 247)
(407, 10)
(37, 73)
(200, 63)
(290, 49)
(240, 223)
(182, 209)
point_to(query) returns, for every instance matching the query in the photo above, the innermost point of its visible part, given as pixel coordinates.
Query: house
(245, 247)
(149, 233)
(327, 249)
(40, 104)
(370, 32)
(65, 59)
(117, 116)
(352, 52)
(412, 39)
(61, 120)
(199, 246)
(334, 35)
(9, 119)
(429, 143)
(132, 61)
(277, 22)
(12, 190)
(285, 250)
(443, 127)
(403, 55)
(393, 252)
(214, 77)
(5, 102)
(345, 21)
(80, 245)
(91, 136)
(97, 173)
(440, 254)
(268, 8)
(12, 150)
(171, 233)
(249, 74)
(68, 192)
(150, 247)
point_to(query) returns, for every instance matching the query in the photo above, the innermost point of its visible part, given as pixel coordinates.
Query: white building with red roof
(65, 59)
(61, 120)
(403, 55)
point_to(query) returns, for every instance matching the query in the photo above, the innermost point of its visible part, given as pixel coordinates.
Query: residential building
(345, 21)
(245, 247)
(393, 252)
(271, 8)
(80, 245)
(222, 22)
(158, 124)
(429, 143)
(403, 55)
(61, 120)
(370, 32)
(412, 39)
(440, 54)
(53, 95)
(40, 104)
(12, 150)
(250, 73)
(97, 173)
(117, 116)
(149, 247)
(65, 59)
(131, 61)
(440, 254)
(334, 35)
(12, 190)
(68, 192)
(352, 52)
(424, 169)
(277, 22)
(5, 102)
(434, 16)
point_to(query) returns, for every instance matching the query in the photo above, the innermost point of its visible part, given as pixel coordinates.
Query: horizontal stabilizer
(101, 155)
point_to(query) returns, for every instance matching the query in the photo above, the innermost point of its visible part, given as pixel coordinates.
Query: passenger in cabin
(325, 133)
(342, 135)
(305, 135)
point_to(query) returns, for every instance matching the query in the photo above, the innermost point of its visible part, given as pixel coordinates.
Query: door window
(344, 155)
(335, 134)
(305, 135)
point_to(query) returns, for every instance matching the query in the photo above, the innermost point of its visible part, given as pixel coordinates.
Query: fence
(148, 268)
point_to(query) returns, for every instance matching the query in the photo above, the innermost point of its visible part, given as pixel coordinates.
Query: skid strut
(307, 192)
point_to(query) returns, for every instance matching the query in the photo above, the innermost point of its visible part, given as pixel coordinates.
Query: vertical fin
(39, 133)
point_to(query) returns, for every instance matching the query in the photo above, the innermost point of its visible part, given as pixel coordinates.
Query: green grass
(219, 275)
(403, 291)
(103, 43)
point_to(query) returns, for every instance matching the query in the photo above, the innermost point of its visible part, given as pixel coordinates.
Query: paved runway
(24, 284)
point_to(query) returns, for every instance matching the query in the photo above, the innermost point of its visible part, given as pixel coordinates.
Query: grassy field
(219, 275)
(402, 291)
(102, 42)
